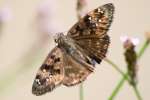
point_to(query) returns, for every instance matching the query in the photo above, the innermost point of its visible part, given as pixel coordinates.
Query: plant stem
(116, 90)
(125, 77)
(120, 84)
(137, 92)
(145, 45)
(117, 68)
(81, 92)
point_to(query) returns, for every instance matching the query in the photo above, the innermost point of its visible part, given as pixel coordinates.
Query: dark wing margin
(90, 33)
(50, 74)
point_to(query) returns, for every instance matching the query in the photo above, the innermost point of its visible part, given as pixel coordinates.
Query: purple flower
(127, 41)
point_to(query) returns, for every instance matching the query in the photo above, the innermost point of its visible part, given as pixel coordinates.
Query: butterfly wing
(76, 69)
(50, 74)
(90, 32)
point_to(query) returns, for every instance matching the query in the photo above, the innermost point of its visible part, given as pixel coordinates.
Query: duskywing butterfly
(76, 53)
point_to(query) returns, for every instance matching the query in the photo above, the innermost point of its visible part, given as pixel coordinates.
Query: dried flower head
(131, 57)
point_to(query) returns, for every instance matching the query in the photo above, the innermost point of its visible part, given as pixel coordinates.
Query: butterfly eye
(56, 37)
(56, 40)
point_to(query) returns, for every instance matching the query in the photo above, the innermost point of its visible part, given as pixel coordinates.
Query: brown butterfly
(76, 53)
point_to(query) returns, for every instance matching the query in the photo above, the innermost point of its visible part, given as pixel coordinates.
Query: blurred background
(26, 37)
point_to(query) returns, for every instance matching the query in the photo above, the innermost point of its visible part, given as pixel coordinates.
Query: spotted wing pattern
(50, 74)
(90, 32)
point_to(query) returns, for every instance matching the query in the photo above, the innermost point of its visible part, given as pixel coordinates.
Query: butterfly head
(63, 40)
(59, 37)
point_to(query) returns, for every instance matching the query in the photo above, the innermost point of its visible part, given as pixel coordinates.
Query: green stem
(125, 77)
(137, 92)
(116, 90)
(81, 92)
(145, 45)
(120, 84)
(117, 68)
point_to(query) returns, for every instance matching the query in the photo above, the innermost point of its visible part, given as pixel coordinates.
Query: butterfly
(76, 53)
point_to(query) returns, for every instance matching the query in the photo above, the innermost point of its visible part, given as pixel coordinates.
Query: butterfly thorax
(65, 43)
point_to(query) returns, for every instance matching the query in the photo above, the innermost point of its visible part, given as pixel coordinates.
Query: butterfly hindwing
(50, 74)
(76, 70)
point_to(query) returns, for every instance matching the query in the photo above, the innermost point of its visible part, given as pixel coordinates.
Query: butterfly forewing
(94, 24)
(50, 74)
(90, 32)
